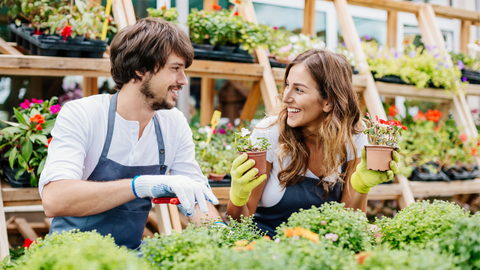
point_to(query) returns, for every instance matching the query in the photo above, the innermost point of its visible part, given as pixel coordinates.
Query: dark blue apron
(301, 195)
(125, 222)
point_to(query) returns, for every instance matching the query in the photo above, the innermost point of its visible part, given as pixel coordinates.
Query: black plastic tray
(9, 174)
(461, 174)
(222, 56)
(428, 177)
(49, 45)
(473, 77)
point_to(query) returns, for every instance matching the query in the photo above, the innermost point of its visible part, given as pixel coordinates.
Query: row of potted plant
(469, 63)
(425, 235)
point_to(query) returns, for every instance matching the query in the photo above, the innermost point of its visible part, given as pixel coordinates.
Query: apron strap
(161, 146)
(111, 123)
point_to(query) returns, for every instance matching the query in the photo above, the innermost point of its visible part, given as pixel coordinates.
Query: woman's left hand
(364, 179)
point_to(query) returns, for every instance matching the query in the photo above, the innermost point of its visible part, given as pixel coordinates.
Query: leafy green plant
(420, 223)
(245, 144)
(25, 143)
(345, 227)
(286, 45)
(415, 258)
(168, 14)
(79, 250)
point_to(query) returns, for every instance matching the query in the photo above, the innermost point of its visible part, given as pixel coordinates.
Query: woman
(317, 141)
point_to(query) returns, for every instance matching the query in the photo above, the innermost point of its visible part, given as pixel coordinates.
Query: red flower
(216, 7)
(37, 118)
(419, 116)
(38, 127)
(236, 13)
(27, 243)
(463, 137)
(474, 152)
(66, 31)
(376, 116)
(392, 111)
(48, 142)
(437, 128)
(404, 127)
(434, 115)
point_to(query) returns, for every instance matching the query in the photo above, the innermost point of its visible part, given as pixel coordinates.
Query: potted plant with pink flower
(382, 139)
(256, 151)
(23, 145)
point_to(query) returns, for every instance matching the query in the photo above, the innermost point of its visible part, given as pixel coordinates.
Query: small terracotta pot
(378, 157)
(216, 177)
(260, 158)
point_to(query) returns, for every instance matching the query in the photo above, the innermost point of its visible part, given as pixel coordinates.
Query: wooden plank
(119, 14)
(55, 63)
(207, 99)
(385, 192)
(19, 194)
(410, 91)
(370, 95)
(23, 203)
(309, 13)
(222, 194)
(472, 90)
(25, 229)
(465, 36)
(392, 22)
(163, 219)
(5, 48)
(4, 247)
(421, 189)
(39, 227)
(90, 86)
(407, 197)
(175, 217)
(251, 104)
(129, 12)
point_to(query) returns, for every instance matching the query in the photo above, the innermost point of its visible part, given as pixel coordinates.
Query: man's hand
(363, 179)
(187, 190)
(243, 182)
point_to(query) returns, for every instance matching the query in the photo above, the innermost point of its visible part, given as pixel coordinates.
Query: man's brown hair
(145, 47)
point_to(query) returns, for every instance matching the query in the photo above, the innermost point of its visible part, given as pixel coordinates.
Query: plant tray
(428, 177)
(461, 174)
(222, 56)
(49, 45)
(22, 182)
(275, 63)
(473, 77)
(226, 182)
(390, 79)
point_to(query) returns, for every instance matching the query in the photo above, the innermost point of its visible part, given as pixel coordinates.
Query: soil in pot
(260, 158)
(378, 157)
(216, 177)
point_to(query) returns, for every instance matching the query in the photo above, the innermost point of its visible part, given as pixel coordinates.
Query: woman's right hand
(243, 179)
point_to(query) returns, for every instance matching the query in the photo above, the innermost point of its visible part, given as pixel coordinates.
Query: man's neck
(132, 107)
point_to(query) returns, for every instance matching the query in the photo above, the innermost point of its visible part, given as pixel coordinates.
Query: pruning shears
(170, 200)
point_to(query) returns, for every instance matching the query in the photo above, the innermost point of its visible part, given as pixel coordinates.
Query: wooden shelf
(385, 192)
(90, 67)
(19, 196)
(423, 189)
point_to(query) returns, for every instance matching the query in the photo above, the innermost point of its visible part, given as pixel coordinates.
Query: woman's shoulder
(268, 123)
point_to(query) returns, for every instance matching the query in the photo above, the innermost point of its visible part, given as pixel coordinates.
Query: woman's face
(304, 105)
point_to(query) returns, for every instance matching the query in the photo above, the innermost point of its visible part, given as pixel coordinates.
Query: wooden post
(309, 19)
(129, 12)
(208, 5)
(465, 36)
(175, 217)
(352, 40)
(163, 218)
(407, 196)
(90, 86)
(7, 49)
(119, 14)
(207, 99)
(251, 104)
(392, 22)
(4, 248)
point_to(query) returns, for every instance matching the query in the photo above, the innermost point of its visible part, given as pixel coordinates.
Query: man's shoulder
(174, 115)
(91, 104)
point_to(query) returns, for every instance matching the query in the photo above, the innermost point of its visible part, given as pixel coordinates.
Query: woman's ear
(327, 106)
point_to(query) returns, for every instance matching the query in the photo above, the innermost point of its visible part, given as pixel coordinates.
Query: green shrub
(420, 223)
(79, 250)
(272, 255)
(167, 252)
(384, 258)
(351, 226)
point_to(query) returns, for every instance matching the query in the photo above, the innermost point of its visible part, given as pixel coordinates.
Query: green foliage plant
(24, 143)
(244, 143)
(79, 250)
(420, 223)
(285, 45)
(168, 14)
(351, 226)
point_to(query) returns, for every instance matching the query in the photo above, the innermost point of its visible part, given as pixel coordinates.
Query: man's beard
(155, 102)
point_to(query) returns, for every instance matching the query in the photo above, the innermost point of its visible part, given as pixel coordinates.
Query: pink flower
(25, 105)
(229, 126)
(463, 137)
(323, 222)
(38, 101)
(275, 28)
(285, 48)
(222, 131)
(367, 114)
(331, 236)
(55, 109)
(214, 131)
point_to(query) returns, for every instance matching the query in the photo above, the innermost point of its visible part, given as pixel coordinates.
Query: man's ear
(327, 106)
(140, 75)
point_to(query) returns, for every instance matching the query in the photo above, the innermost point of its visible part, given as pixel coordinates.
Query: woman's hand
(363, 179)
(243, 182)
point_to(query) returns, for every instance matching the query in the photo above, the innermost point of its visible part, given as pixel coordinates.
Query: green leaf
(20, 117)
(22, 162)
(11, 130)
(27, 149)
(41, 165)
(19, 173)
(42, 138)
(10, 123)
(48, 126)
(12, 157)
(80, 5)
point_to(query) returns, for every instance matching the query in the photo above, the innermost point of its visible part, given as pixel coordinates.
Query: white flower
(202, 144)
(331, 236)
(294, 39)
(201, 130)
(208, 129)
(304, 37)
(228, 147)
(245, 132)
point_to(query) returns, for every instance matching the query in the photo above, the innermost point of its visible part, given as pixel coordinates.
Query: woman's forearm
(236, 211)
(359, 201)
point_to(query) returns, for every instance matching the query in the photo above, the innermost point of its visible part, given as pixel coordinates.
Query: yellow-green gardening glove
(363, 179)
(243, 182)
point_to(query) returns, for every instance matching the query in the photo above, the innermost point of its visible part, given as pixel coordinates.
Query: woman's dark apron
(126, 222)
(302, 195)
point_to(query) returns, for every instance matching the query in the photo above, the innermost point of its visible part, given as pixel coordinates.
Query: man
(123, 146)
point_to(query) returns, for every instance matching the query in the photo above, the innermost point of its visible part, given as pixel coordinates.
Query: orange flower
(267, 237)
(216, 7)
(299, 231)
(38, 127)
(419, 116)
(474, 151)
(463, 137)
(48, 142)
(434, 115)
(437, 128)
(392, 111)
(37, 118)
(241, 242)
(238, 1)
(362, 256)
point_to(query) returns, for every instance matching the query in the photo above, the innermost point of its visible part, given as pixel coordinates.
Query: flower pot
(260, 158)
(227, 49)
(378, 157)
(423, 174)
(23, 180)
(205, 47)
(216, 177)
(473, 77)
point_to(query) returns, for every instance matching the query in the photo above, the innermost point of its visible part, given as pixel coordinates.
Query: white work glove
(182, 187)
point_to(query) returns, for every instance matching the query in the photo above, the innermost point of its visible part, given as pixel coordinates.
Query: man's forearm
(84, 198)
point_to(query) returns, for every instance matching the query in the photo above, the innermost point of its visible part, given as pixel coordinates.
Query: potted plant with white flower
(256, 151)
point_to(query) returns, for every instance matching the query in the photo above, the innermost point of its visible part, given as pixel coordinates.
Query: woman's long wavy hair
(333, 75)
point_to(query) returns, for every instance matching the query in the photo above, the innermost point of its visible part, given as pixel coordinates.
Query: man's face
(161, 90)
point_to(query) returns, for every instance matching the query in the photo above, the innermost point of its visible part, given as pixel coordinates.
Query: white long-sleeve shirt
(79, 135)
